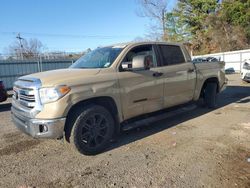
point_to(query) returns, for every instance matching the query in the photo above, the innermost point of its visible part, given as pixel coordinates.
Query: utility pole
(21, 45)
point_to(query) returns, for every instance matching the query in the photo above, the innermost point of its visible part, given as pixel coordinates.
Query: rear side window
(171, 55)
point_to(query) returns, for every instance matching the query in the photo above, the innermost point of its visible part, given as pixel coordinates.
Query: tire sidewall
(210, 95)
(75, 137)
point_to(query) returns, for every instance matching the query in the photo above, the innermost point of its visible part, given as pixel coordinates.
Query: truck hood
(62, 76)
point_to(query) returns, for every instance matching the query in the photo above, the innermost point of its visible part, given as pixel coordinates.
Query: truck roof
(144, 42)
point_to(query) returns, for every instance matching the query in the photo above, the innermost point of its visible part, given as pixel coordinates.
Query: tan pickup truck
(103, 92)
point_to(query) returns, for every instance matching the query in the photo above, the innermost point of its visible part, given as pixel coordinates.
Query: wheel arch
(105, 101)
(209, 80)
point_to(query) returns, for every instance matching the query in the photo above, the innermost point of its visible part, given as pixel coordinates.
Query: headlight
(52, 94)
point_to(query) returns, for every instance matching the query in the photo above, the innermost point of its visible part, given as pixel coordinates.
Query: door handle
(190, 70)
(157, 74)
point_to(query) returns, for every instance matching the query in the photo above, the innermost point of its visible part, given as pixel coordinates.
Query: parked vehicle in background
(198, 60)
(103, 92)
(245, 74)
(230, 70)
(212, 59)
(3, 92)
(205, 59)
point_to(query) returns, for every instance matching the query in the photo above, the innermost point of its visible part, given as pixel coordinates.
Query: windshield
(98, 58)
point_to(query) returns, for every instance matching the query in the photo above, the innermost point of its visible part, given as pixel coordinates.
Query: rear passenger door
(179, 75)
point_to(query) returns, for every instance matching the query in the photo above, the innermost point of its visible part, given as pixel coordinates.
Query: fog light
(43, 128)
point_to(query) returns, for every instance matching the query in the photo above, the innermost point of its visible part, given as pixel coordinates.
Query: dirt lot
(199, 148)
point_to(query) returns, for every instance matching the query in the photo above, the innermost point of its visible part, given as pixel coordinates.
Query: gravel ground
(198, 148)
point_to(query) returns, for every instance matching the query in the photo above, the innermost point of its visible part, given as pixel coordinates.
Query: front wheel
(245, 81)
(92, 129)
(210, 95)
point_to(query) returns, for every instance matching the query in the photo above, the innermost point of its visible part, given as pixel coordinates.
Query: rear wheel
(210, 95)
(91, 130)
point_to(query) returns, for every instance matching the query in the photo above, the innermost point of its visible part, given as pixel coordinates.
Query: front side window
(98, 58)
(171, 55)
(146, 50)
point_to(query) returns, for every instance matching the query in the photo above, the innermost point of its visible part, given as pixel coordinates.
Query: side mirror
(142, 62)
(127, 65)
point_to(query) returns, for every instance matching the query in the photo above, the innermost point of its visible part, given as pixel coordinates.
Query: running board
(148, 120)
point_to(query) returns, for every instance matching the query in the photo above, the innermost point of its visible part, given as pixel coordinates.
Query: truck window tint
(171, 55)
(141, 50)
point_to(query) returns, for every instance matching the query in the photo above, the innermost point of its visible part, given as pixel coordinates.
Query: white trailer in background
(234, 60)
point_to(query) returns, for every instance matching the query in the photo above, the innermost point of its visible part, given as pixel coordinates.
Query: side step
(158, 117)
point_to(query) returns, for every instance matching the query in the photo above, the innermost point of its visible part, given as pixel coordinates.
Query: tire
(3, 96)
(200, 103)
(245, 81)
(90, 129)
(210, 95)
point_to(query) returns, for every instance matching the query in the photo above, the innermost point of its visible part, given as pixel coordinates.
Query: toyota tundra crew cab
(91, 101)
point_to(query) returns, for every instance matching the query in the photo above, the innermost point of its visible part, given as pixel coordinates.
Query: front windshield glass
(98, 58)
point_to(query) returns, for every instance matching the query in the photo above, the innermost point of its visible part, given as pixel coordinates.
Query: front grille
(25, 100)
(24, 96)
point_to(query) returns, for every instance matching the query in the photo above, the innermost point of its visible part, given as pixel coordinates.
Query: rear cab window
(171, 55)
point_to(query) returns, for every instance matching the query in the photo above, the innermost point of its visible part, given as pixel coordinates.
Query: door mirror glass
(139, 62)
(127, 65)
(142, 62)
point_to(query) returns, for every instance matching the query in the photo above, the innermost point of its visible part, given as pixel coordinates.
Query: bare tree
(156, 10)
(25, 49)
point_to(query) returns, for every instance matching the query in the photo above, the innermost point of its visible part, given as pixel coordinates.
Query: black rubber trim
(140, 100)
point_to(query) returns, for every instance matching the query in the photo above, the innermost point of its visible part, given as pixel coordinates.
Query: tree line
(32, 49)
(207, 25)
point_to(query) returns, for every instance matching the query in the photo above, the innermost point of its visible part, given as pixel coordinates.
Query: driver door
(141, 91)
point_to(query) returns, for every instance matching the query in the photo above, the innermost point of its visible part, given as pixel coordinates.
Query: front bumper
(39, 128)
(246, 78)
(245, 75)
